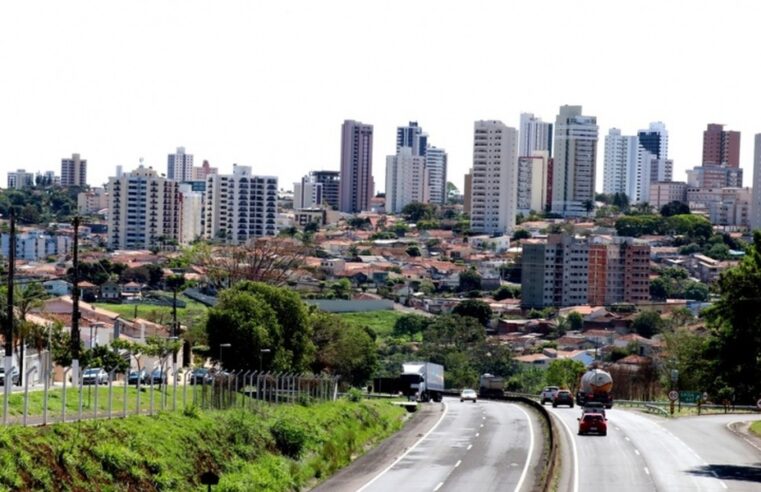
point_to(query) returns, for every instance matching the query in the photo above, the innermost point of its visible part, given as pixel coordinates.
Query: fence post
(126, 392)
(45, 397)
(185, 378)
(150, 411)
(174, 395)
(63, 396)
(111, 390)
(97, 390)
(80, 378)
(26, 390)
(243, 389)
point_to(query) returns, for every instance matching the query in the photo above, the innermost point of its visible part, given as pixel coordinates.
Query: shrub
(290, 437)
(354, 395)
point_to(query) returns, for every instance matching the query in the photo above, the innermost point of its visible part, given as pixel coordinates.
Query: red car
(593, 423)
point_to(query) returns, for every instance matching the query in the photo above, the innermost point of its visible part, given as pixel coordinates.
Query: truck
(491, 386)
(595, 386)
(422, 381)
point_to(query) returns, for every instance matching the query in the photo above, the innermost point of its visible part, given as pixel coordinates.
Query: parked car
(468, 394)
(141, 376)
(593, 423)
(158, 376)
(96, 375)
(14, 375)
(200, 375)
(562, 397)
(548, 393)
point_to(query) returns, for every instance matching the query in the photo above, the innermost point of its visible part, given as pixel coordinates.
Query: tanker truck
(595, 386)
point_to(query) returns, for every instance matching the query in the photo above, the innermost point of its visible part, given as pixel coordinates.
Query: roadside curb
(742, 430)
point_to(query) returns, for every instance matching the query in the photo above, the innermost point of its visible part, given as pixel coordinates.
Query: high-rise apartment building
(144, 210)
(620, 159)
(712, 176)
(74, 171)
(663, 192)
(406, 180)
(92, 201)
(307, 194)
(180, 166)
(240, 206)
(412, 136)
(755, 220)
(191, 218)
(532, 181)
(436, 170)
(467, 193)
(534, 135)
(330, 181)
(495, 175)
(619, 271)
(20, 179)
(573, 172)
(721, 147)
(357, 185)
(200, 173)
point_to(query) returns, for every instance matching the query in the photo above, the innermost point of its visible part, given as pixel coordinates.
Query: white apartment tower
(307, 194)
(74, 171)
(180, 166)
(240, 206)
(191, 224)
(144, 210)
(532, 181)
(436, 169)
(535, 135)
(755, 205)
(494, 191)
(406, 180)
(573, 170)
(620, 158)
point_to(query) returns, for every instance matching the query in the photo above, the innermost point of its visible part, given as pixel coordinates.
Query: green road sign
(689, 396)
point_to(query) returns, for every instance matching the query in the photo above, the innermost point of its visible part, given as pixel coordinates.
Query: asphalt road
(486, 446)
(645, 453)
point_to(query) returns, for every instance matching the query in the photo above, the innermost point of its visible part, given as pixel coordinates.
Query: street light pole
(8, 376)
(75, 340)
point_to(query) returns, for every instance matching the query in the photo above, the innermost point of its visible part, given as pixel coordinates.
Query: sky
(268, 84)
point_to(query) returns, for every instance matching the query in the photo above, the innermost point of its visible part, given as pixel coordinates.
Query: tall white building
(755, 206)
(436, 169)
(144, 210)
(532, 181)
(535, 135)
(20, 179)
(406, 180)
(495, 173)
(620, 158)
(573, 170)
(180, 166)
(240, 206)
(74, 171)
(191, 223)
(307, 194)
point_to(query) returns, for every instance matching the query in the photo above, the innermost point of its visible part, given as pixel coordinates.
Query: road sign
(673, 395)
(689, 396)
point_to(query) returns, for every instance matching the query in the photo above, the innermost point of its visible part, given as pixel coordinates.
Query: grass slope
(161, 314)
(755, 427)
(382, 322)
(275, 448)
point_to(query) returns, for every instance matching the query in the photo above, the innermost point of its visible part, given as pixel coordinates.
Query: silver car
(468, 394)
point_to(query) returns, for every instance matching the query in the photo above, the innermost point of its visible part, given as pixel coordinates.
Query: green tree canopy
(648, 323)
(470, 280)
(343, 349)
(475, 309)
(565, 373)
(675, 208)
(410, 325)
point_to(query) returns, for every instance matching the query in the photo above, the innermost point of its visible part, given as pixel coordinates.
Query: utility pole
(75, 339)
(8, 376)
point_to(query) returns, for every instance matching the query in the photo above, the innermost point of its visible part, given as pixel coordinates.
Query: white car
(468, 394)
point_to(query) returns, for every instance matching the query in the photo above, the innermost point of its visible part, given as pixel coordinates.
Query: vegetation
(380, 322)
(565, 373)
(41, 204)
(475, 309)
(694, 227)
(277, 448)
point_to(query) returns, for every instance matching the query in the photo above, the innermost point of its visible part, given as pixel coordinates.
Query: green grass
(152, 312)
(382, 322)
(755, 428)
(275, 448)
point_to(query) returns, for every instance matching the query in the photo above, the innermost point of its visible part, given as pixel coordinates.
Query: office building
(74, 171)
(721, 147)
(20, 179)
(755, 221)
(357, 186)
(436, 170)
(179, 166)
(535, 135)
(240, 206)
(144, 210)
(330, 181)
(412, 136)
(406, 180)
(307, 194)
(573, 172)
(532, 182)
(495, 174)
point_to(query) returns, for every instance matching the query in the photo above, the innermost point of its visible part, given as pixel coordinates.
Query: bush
(290, 437)
(354, 395)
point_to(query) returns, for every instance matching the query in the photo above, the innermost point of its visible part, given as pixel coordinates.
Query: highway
(645, 453)
(486, 446)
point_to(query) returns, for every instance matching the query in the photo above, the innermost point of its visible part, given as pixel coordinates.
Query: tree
(658, 289)
(575, 321)
(696, 291)
(507, 292)
(648, 323)
(472, 308)
(470, 280)
(413, 250)
(345, 350)
(675, 208)
(521, 234)
(565, 373)
(415, 212)
(410, 325)
(684, 351)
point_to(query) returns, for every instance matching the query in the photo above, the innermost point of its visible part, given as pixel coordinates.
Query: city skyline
(123, 98)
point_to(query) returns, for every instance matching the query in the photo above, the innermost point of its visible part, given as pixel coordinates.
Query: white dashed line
(647, 471)
(459, 462)
(441, 484)
(482, 425)
(636, 452)
(483, 418)
(627, 438)
(469, 447)
(478, 434)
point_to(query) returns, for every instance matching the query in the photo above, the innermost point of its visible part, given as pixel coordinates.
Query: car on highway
(593, 423)
(548, 393)
(468, 394)
(562, 397)
(95, 375)
(200, 375)
(14, 375)
(138, 376)
(593, 407)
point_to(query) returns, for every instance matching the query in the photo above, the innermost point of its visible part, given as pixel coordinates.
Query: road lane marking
(400, 458)
(483, 418)
(530, 449)
(459, 462)
(574, 452)
(438, 486)
(627, 438)
(733, 431)
(469, 446)
(478, 434)
(636, 452)
(647, 471)
(482, 425)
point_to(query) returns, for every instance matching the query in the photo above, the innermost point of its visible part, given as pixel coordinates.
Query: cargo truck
(595, 386)
(422, 381)
(491, 386)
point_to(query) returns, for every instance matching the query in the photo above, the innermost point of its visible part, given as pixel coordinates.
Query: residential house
(110, 291)
(57, 287)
